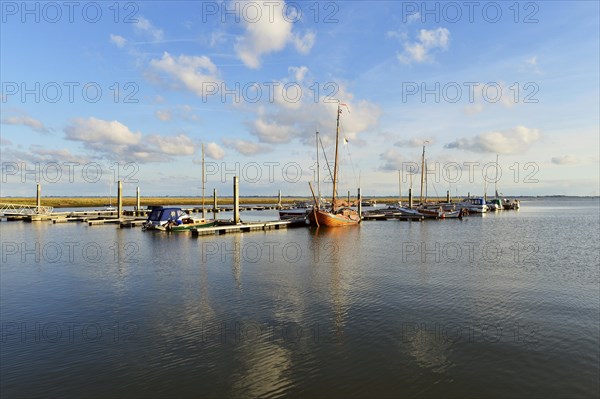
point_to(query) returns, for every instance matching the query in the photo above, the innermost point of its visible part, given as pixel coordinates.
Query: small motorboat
(456, 214)
(174, 219)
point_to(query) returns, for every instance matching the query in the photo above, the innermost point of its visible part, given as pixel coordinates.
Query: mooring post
(120, 198)
(410, 201)
(236, 200)
(279, 200)
(448, 196)
(348, 197)
(137, 202)
(359, 204)
(38, 199)
(215, 208)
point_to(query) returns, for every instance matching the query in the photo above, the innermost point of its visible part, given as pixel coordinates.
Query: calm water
(501, 305)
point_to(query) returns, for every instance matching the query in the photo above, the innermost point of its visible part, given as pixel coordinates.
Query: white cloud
(144, 26)
(38, 153)
(413, 17)
(427, 41)
(435, 38)
(391, 159)
(245, 147)
(163, 114)
(489, 94)
(512, 141)
(98, 130)
(474, 108)
(173, 145)
(299, 72)
(119, 41)
(270, 33)
(532, 64)
(397, 34)
(283, 121)
(25, 120)
(414, 142)
(183, 112)
(217, 38)
(212, 150)
(565, 160)
(305, 43)
(271, 132)
(191, 72)
(114, 140)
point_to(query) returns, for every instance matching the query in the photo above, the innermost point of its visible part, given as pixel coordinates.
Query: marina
(303, 303)
(312, 199)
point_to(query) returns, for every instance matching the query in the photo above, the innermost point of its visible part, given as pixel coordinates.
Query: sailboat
(109, 206)
(334, 217)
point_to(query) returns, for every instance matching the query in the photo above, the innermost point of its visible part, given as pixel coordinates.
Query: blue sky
(515, 79)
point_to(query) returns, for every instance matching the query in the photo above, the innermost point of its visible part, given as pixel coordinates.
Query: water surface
(501, 305)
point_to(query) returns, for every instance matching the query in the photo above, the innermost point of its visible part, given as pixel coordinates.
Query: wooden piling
(119, 198)
(359, 204)
(448, 196)
(137, 202)
(279, 200)
(236, 200)
(38, 200)
(410, 199)
(215, 205)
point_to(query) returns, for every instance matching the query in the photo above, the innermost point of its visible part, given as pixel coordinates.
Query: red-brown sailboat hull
(328, 219)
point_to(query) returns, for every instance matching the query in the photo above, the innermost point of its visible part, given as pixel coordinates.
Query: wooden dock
(247, 227)
(387, 215)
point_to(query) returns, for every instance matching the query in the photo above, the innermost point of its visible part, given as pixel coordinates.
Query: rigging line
(348, 151)
(351, 163)
(326, 161)
(434, 189)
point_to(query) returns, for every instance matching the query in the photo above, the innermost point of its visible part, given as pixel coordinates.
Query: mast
(422, 170)
(425, 181)
(484, 189)
(335, 164)
(400, 186)
(496, 182)
(318, 171)
(203, 211)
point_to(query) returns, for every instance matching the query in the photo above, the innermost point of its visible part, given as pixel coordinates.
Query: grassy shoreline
(81, 202)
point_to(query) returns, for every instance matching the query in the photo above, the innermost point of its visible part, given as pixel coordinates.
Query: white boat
(294, 213)
(494, 204)
(473, 205)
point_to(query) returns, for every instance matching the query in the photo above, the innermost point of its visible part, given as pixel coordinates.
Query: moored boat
(456, 214)
(494, 204)
(340, 218)
(333, 217)
(173, 219)
(473, 205)
(286, 214)
(511, 205)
